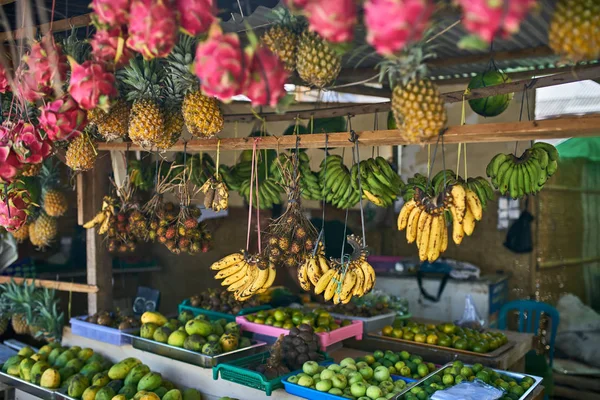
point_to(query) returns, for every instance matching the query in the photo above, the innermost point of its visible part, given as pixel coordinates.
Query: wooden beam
(6, 2)
(58, 26)
(56, 285)
(496, 132)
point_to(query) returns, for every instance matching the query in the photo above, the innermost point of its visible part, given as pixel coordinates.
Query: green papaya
(128, 391)
(150, 381)
(161, 391)
(100, 379)
(121, 370)
(191, 394)
(105, 393)
(136, 374)
(77, 385)
(173, 394)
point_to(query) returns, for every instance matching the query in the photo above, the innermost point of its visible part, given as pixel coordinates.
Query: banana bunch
(312, 269)
(465, 208)
(201, 167)
(336, 179)
(525, 175)
(141, 175)
(420, 182)
(340, 284)
(380, 184)
(234, 176)
(482, 188)
(245, 276)
(105, 217)
(310, 187)
(269, 193)
(216, 195)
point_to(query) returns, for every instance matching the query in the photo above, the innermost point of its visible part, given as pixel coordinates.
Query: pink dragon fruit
(152, 28)
(4, 84)
(490, 18)
(62, 119)
(334, 21)
(9, 163)
(28, 145)
(410, 18)
(195, 16)
(220, 64)
(13, 208)
(43, 70)
(91, 85)
(267, 77)
(111, 13)
(108, 46)
(297, 4)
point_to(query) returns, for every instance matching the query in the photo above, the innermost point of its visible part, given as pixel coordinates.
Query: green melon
(493, 105)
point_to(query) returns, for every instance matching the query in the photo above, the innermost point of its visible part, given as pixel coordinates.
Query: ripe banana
(303, 276)
(424, 242)
(227, 261)
(444, 245)
(229, 271)
(323, 283)
(349, 280)
(435, 239)
(474, 204)
(459, 199)
(332, 286)
(411, 229)
(469, 223)
(313, 270)
(405, 213)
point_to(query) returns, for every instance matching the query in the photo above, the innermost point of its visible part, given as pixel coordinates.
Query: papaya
(85, 354)
(154, 318)
(50, 379)
(36, 371)
(100, 379)
(77, 385)
(91, 369)
(90, 393)
(173, 394)
(136, 374)
(128, 391)
(105, 393)
(64, 358)
(121, 370)
(116, 385)
(147, 330)
(26, 352)
(25, 368)
(66, 373)
(119, 397)
(150, 396)
(75, 363)
(53, 355)
(191, 394)
(150, 381)
(13, 370)
(161, 391)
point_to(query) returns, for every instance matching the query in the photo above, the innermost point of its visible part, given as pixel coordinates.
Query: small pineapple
(317, 63)
(115, 123)
(21, 234)
(54, 201)
(33, 237)
(282, 38)
(46, 230)
(201, 114)
(81, 153)
(172, 114)
(574, 31)
(47, 321)
(20, 298)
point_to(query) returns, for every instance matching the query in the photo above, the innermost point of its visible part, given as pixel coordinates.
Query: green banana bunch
(269, 193)
(201, 167)
(380, 184)
(310, 188)
(418, 181)
(482, 188)
(141, 175)
(336, 181)
(443, 179)
(520, 176)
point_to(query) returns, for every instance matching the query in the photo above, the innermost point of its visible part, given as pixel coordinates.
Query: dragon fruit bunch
(92, 85)
(62, 119)
(20, 144)
(334, 21)
(14, 207)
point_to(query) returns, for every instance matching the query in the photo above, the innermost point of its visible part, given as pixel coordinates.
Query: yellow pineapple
(173, 118)
(55, 203)
(81, 153)
(114, 125)
(317, 63)
(96, 115)
(33, 237)
(45, 230)
(21, 234)
(574, 31)
(146, 123)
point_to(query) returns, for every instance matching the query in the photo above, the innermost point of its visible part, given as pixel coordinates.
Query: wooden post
(92, 186)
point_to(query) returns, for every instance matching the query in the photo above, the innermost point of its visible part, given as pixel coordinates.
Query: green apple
(354, 379)
(321, 369)
(335, 391)
(358, 389)
(363, 398)
(306, 381)
(347, 371)
(324, 385)
(373, 392)
(381, 373)
(334, 367)
(339, 381)
(347, 361)
(327, 374)
(399, 384)
(361, 364)
(390, 396)
(387, 385)
(399, 365)
(293, 379)
(310, 367)
(366, 372)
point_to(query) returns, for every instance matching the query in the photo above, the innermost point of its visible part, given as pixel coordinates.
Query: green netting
(580, 148)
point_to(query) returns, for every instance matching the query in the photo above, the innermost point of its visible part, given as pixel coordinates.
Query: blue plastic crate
(104, 334)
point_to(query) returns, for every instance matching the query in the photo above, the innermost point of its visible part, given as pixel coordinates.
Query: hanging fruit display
(282, 37)
(490, 106)
(308, 181)
(317, 62)
(378, 181)
(336, 179)
(81, 153)
(245, 275)
(216, 194)
(525, 175)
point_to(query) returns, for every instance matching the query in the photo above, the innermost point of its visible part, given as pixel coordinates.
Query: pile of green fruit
(458, 372)
(287, 318)
(401, 363)
(193, 333)
(350, 379)
(83, 374)
(446, 335)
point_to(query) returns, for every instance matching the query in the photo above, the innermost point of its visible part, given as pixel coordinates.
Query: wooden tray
(490, 354)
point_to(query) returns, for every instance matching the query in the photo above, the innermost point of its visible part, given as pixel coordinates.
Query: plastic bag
(519, 238)
(470, 318)
(475, 390)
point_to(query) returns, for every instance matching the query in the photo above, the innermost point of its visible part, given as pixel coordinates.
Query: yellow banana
(224, 273)
(336, 297)
(458, 232)
(104, 226)
(421, 225)
(244, 290)
(332, 286)
(303, 276)
(434, 239)
(474, 204)
(411, 228)
(239, 274)
(261, 278)
(459, 199)
(323, 264)
(270, 279)
(324, 281)
(469, 222)
(404, 213)
(348, 285)
(444, 245)
(360, 281)
(372, 198)
(424, 242)
(369, 276)
(313, 270)
(246, 280)
(227, 261)
(98, 219)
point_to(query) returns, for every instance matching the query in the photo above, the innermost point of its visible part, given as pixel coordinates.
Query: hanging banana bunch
(215, 191)
(244, 275)
(380, 184)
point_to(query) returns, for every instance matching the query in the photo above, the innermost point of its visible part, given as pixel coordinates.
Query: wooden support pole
(496, 132)
(92, 187)
(56, 285)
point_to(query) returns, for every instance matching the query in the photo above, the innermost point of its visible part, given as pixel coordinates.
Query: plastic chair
(529, 319)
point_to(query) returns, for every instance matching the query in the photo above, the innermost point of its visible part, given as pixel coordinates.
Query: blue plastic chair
(529, 319)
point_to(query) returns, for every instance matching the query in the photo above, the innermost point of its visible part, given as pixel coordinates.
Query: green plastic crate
(240, 372)
(212, 315)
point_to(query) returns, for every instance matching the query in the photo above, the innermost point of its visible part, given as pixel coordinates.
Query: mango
(244, 342)
(90, 393)
(194, 342)
(25, 368)
(54, 354)
(184, 316)
(212, 349)
(217, 328)
(75, 349)
(147, 330)
(232, 327)
(36, 371)
(50, 379)
(170, 326)
(150, 381)
(91, 369)
(64, 358)
(175, 322)
(198, 327)
(100, 379)
(173, 394)
(168, 384)
(77, 385)
(40, 357)
(116, 385)
(139, 394)
(13, 370)
(177, 338)
(161, 391)
(105, 393)
(11, 361)
(150, 396)
(120, 397)
(228, 342)
(45, 349)
(122, 369)
(162, 334)
(154, 318)
(75, 363)
(136, 374)
(95, 357)
(26, 352)
(85, 354)
(191, 394)
(213, 338)
(128, 391)
(66, 373)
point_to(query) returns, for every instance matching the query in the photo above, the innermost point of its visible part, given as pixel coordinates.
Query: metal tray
(192, 357)
(491, 354)
(370, 324)
(537, 380)
(28, 387)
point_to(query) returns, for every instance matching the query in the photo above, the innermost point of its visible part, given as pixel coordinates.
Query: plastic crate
(326, 339)
(240, 372)
(100, 333)
(212, 315)
(370, 324)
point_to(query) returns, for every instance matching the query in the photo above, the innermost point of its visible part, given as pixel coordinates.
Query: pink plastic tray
(326, 339)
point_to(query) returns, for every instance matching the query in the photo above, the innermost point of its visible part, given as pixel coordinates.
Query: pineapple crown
(283, 17)
(179, 65)
(79, 50)
(408, 66)
(46, 316)
(142, 79)
(19, 299)
(50, 175)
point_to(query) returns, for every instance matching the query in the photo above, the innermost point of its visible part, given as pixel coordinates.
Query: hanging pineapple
(114, 124)
(173, 117)
(417, 104)
(574, 31)
(21, 300)
(282, 38)
(201, 114)
(54, 201)
(81, 153)
(45, 230)
(21, 234)
(317, 62)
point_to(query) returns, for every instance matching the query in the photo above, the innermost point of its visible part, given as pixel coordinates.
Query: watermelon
(493, 105)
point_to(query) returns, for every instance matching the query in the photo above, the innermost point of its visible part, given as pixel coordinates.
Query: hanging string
(322, 231)
(52, 15)
(465, 153)
(431, 162)
(458, 159)
(218, 156)
(156, 170)
(252, 172)
(356, 160)
(257, 202)
(428, 161)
